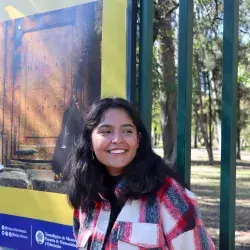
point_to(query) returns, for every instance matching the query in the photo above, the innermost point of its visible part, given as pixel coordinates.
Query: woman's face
(115, 141)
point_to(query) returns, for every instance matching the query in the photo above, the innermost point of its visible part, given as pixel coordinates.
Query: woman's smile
(117, 151)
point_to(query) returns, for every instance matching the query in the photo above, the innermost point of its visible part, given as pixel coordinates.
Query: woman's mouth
(117, 151)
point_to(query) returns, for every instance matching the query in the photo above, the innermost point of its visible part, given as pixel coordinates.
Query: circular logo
(40, 237)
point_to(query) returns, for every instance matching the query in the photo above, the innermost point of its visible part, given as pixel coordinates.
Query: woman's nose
(117, 138)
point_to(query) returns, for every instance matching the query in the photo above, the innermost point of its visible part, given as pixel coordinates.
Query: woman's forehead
(116, 116)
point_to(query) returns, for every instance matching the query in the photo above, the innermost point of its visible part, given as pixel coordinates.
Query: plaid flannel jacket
(171, 222)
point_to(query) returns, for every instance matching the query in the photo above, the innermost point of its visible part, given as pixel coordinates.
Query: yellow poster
(56, 58)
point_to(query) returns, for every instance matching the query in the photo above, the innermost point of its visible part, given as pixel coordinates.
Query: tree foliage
(207, 74)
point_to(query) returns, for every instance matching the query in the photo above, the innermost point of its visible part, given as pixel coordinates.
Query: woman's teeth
(117, 151)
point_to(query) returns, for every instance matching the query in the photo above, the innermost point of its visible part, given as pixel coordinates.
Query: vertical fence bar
(145, 64)
(229, 118)
(131, 50)
(184, 89)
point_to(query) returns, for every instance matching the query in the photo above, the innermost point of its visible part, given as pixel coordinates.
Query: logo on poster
(40, 237)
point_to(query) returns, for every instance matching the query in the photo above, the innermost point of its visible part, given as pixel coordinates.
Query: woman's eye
(105, 132)
(128, 131)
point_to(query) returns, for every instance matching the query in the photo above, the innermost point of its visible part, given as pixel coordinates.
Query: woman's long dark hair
(144, 175)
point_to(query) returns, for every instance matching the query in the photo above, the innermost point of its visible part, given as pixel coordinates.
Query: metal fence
(229, 94)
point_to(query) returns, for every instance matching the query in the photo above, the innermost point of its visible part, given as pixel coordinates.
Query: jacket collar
(120, 190)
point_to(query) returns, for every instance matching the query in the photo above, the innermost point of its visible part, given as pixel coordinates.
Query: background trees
(207, 75)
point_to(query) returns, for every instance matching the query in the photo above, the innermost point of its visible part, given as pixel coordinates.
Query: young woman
(124, 196)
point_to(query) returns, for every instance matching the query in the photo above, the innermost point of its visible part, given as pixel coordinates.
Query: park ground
(205, 183)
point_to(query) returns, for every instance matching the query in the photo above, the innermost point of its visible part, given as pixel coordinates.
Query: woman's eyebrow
(104, 126)
(128, 125)
(110, 126)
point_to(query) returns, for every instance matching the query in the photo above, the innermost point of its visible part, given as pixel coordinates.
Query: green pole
(131, 50)
(229, 118)
(184, 89)
(145, 64)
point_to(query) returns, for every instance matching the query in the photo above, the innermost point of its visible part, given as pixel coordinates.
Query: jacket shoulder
(176, 199)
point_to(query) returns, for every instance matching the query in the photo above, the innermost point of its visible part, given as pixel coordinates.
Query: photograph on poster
(50, 72)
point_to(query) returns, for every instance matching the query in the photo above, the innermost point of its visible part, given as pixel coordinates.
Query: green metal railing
(229, 104)
(145, 63)
(131, 51)
(229, 118)
(185, 47)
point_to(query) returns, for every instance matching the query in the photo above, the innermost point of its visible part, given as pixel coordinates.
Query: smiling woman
(115, 141)
(124, 195)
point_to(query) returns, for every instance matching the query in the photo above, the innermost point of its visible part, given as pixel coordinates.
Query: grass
(205, 183)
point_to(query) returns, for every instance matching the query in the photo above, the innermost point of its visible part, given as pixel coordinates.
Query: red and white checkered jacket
(171, 222)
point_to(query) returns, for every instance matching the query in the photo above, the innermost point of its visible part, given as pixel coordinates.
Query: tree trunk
(200, 116)
(169, 127)
(210, 118)
(169, 93)
(215, 95)
(196, 133)
(205, 137)
(238, 155)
